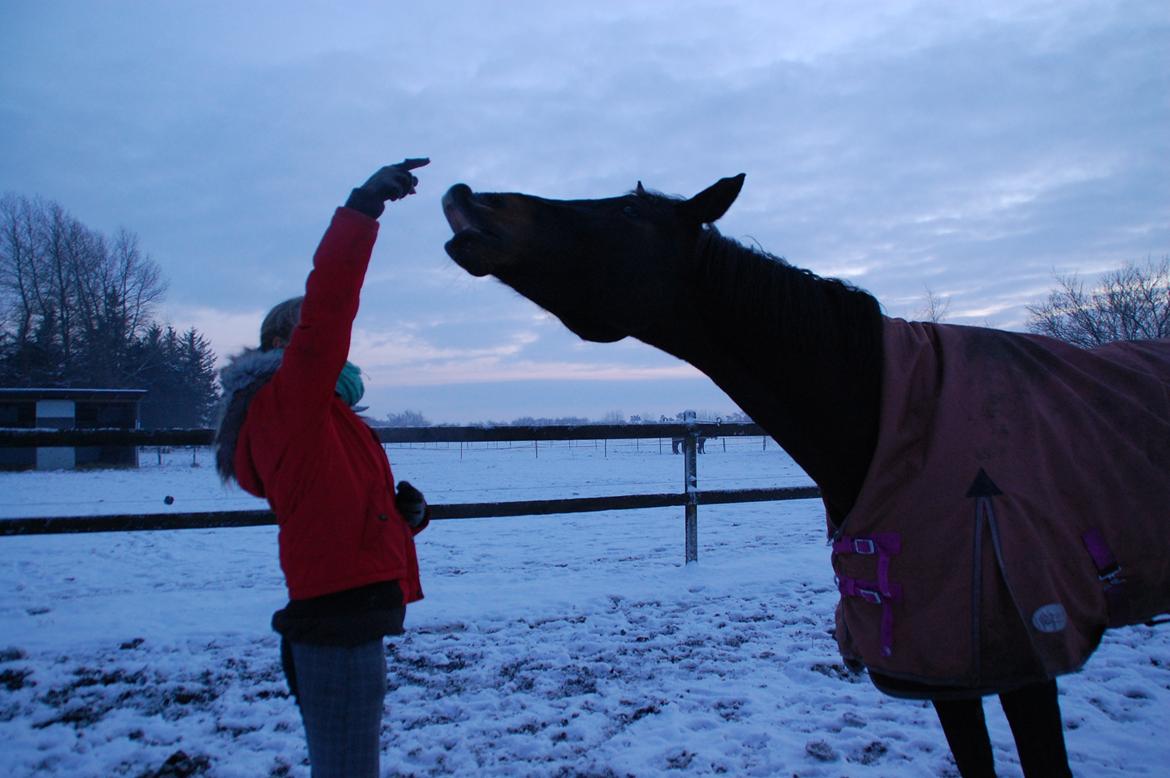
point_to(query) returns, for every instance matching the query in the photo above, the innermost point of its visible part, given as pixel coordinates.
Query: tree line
(77, 309)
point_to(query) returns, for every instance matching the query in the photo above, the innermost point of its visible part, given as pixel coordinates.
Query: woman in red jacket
(289, 433)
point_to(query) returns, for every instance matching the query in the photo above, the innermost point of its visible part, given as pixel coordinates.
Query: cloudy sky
(972, 149)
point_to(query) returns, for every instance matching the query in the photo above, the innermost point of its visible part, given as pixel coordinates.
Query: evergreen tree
(196, 363)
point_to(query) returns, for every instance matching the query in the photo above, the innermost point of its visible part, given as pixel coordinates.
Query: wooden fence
(690, 498)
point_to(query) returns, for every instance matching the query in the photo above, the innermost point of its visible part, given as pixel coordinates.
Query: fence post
(691, 482)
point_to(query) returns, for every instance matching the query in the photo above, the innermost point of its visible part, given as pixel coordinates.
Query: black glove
(392, 182)
(411, 504)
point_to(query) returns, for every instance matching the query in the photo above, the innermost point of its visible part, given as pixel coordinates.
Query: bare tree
(136, 279)
(407, 418)
(1130, 303)
(934, 308)
(17, 260)
(68, 296)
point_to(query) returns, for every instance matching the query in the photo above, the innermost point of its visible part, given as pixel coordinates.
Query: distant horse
(676, 443)
(994, 500)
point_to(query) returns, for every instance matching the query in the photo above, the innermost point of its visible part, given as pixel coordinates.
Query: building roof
(29, 394)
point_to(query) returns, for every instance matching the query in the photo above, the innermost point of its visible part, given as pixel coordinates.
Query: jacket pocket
(381, 549)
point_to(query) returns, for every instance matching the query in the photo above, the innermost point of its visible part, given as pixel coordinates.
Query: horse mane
(764, 289)
(815, 345)
(770, 295)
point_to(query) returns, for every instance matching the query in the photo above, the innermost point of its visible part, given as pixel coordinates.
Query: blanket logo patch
(1050, 618)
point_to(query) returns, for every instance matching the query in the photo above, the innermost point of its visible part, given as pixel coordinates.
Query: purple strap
(869, 591)
(882, 592)
(884, 545)
(1099, 550)
(1109, 573)
(889, 543)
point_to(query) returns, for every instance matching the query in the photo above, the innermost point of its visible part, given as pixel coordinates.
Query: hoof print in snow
(679, 759)
(179, 765)
(646, 710)
(836, 670)
(281, 769)
(729, 710)
(821, 751)
(131, 644)
(871, 753)
(12, 655)
(851, 719)
(14, 680)
(577, 684)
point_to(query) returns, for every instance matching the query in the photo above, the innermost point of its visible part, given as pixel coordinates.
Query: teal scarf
(349, 384)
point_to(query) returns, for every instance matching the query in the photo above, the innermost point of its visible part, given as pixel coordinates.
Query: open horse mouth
(468, 218)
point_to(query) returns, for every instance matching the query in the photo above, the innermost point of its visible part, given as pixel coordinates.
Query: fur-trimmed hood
(244, 375)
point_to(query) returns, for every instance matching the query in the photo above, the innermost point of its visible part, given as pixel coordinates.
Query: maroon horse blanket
(1018, 504)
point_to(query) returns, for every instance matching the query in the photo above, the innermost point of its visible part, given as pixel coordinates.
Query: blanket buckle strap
(883, 591)
(1109, 573)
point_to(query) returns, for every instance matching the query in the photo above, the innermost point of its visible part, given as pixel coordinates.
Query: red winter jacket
(321, 468)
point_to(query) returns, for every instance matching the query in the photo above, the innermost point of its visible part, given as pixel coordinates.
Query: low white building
(71, 408)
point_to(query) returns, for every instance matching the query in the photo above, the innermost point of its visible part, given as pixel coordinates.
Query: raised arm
(320, 342)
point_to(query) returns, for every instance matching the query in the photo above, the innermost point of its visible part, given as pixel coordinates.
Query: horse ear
(710, 204)
(639, 191)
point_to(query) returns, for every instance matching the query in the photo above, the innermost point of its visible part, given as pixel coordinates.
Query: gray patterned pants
(341, 690)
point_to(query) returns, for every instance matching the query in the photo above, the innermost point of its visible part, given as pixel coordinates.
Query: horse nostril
(457, 192)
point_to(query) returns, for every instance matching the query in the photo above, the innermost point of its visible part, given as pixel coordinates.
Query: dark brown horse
(857, 400)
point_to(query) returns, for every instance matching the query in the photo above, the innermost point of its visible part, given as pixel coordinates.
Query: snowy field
(553, 646)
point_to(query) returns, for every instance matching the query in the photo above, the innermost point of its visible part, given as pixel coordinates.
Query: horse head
(606, 268)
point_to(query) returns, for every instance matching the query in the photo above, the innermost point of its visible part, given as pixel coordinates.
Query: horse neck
(799, 354)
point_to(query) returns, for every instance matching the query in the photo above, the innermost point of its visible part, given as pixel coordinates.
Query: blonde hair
(280, 322)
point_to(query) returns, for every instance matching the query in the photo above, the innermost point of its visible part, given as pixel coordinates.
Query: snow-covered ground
(552, 646)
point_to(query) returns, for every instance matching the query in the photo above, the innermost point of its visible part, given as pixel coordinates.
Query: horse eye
(630, 211)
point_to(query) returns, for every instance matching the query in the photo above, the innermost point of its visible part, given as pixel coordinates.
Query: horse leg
(966, 730)
(1033, 712)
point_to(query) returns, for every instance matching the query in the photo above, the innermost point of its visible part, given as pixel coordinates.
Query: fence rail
(690, 498)
(11, 437)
